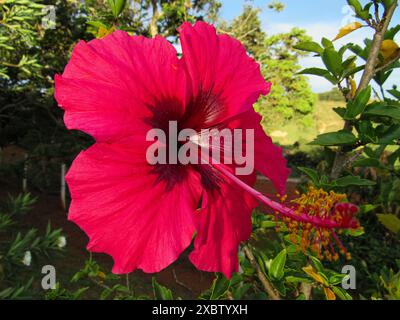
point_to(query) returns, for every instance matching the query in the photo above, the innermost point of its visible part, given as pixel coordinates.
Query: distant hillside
(325, 120)
(333, 95)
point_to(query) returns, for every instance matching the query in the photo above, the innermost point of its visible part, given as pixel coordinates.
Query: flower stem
(278, 207)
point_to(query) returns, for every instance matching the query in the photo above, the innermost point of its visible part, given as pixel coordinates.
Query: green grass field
(326, 120)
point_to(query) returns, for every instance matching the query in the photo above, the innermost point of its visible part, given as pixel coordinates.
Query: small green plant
(19, 250)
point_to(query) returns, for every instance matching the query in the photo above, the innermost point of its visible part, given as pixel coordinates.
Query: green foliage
(291, 97)
(64, 294)
(20, 28)
(20, 250)
(161, 292)
(30, 56)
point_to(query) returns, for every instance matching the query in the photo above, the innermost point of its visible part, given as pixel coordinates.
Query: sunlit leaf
(390, 221)
(313, 274)
(348, 29)
(330, 295)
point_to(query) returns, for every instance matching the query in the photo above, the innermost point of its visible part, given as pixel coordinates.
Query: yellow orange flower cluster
(317, 216)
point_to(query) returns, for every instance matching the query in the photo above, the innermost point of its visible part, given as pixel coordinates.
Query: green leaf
(117, 6)
(368, 208)
(276, 269)
(367, 162)
(353, 181)
(394, 157)
(97, 24)
(241, 290)
(340, 111)
(357, 106)
(354, 232)
(387, 3)
(293, 279)
(392, 32)
(317, 264)
(327, 43)
(312, 174)
(355, 4)
(333, 61)
(336, 279)
(309, 46)
(390, 221)
(321, 73)
(349, 72)
(161, 292)
(395, 93)
(378, 109)
(341, 293)
(391, 134)
(361, 12)
(268, 224)
(219, 287)
(339, 138)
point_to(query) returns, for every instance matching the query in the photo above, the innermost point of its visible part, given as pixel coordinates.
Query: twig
(349, 161)
(127, 282)
(179, 282)
(153, 29)
(263, 279)
(63, 187)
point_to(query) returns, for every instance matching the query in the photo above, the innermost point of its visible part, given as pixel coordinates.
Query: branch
(153, 29)
(263, 279)
(369, 71)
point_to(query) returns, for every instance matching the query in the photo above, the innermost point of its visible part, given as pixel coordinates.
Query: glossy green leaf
(117, 6)
(321, 73)
(276, 269)
(309, 46)
(220, 286)
(339, 138)
(341, 293)
(161, 292)
(312, 174)
(390, 221)
(353, 181)
(357, 106)
(333, 61)
(378, 109)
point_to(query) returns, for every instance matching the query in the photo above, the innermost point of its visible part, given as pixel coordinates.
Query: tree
(19, 21)
(167, 15)
(248, 30)
(291, 97)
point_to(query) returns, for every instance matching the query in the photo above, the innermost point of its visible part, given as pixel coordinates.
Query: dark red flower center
(202, 112)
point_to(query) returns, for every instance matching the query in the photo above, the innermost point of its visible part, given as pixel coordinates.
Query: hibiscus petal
(225, 81)
(112, 84)
(222, 223)
(111, 202)
(268, 158)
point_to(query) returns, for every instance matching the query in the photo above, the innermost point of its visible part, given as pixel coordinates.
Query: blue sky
(319, 17)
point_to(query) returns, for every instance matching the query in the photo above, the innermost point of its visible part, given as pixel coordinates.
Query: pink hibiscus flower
(118, 88)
